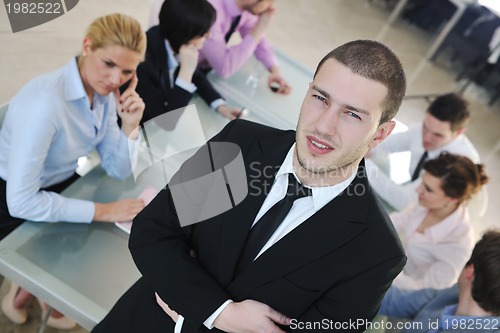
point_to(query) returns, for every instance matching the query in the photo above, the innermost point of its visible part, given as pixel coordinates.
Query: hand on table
(277, 83)
(230, 112)
(118, 211)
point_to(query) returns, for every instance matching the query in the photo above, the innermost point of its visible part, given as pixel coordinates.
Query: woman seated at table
(63, 115)
(169, 76)
(435, 232)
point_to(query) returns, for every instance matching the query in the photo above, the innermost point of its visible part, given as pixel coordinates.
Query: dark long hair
(183, 20)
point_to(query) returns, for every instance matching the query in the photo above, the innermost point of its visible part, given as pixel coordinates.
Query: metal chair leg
(43, 325)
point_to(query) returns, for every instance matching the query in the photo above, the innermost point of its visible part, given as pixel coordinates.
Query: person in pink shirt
(436, 231)
(251, 18)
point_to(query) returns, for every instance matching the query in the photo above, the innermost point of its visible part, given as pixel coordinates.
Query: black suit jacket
(154, 81)
(335, 266)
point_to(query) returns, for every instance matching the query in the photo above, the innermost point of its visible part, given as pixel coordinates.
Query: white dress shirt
(400, 196)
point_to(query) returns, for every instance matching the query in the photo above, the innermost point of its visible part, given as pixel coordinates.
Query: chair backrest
(481, 34)
(471, 13)
(3, 111)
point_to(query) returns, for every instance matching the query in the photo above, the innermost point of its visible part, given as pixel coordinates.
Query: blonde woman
(63, 115)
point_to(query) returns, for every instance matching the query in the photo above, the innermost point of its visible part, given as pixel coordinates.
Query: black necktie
(234, 24)
(420, 164)
(269, 222)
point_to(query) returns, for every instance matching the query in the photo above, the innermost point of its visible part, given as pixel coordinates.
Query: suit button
(165, 103)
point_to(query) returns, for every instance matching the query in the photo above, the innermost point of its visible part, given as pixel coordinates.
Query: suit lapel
(158, 54)
(331, 227)
(262, 163)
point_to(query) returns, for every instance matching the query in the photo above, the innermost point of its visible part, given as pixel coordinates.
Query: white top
(436, 256)
(400, 196)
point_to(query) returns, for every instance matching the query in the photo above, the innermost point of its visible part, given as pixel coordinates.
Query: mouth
(317, 146)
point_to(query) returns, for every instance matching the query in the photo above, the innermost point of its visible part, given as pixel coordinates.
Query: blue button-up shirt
(433, 311)
(48, 126)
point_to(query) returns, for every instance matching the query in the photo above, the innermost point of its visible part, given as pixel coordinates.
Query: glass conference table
(82, 269)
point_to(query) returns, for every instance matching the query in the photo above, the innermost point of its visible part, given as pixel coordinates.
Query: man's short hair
(486, 260)
(451, 108)
(374, 60)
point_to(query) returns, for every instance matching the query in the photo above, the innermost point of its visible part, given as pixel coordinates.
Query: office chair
(429, 16)
(485, 75)
(469, 39)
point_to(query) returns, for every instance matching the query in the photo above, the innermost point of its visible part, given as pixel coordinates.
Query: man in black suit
(327, 266)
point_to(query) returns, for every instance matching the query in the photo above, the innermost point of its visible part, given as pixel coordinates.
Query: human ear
(86, 46)
(382, 133)
(469, 272)
(461, 131)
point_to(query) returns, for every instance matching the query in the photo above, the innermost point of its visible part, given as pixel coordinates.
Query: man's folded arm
(351, 304)
(161, 250)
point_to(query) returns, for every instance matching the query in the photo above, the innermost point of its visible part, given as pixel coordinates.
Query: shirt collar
(321, 195)
(172, 61)
(431, 154)
(434, 153)
(73, 85)
(450, 223)
(231, 8)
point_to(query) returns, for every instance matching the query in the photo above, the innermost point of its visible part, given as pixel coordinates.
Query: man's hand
(118, 211)
(171, 313)
(130, 108)
(263, 24)
(229, 111)
(277, 83)
(250, 316)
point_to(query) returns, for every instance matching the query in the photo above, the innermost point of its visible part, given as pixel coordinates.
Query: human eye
(127, 72)
(319, 98)
(353, 114)
(109, 64)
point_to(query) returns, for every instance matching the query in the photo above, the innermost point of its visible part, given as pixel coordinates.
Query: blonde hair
(117, 29)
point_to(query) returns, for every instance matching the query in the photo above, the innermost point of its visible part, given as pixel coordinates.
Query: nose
(426, 136)
(115, 77)
(326, 123)
(420, 189)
